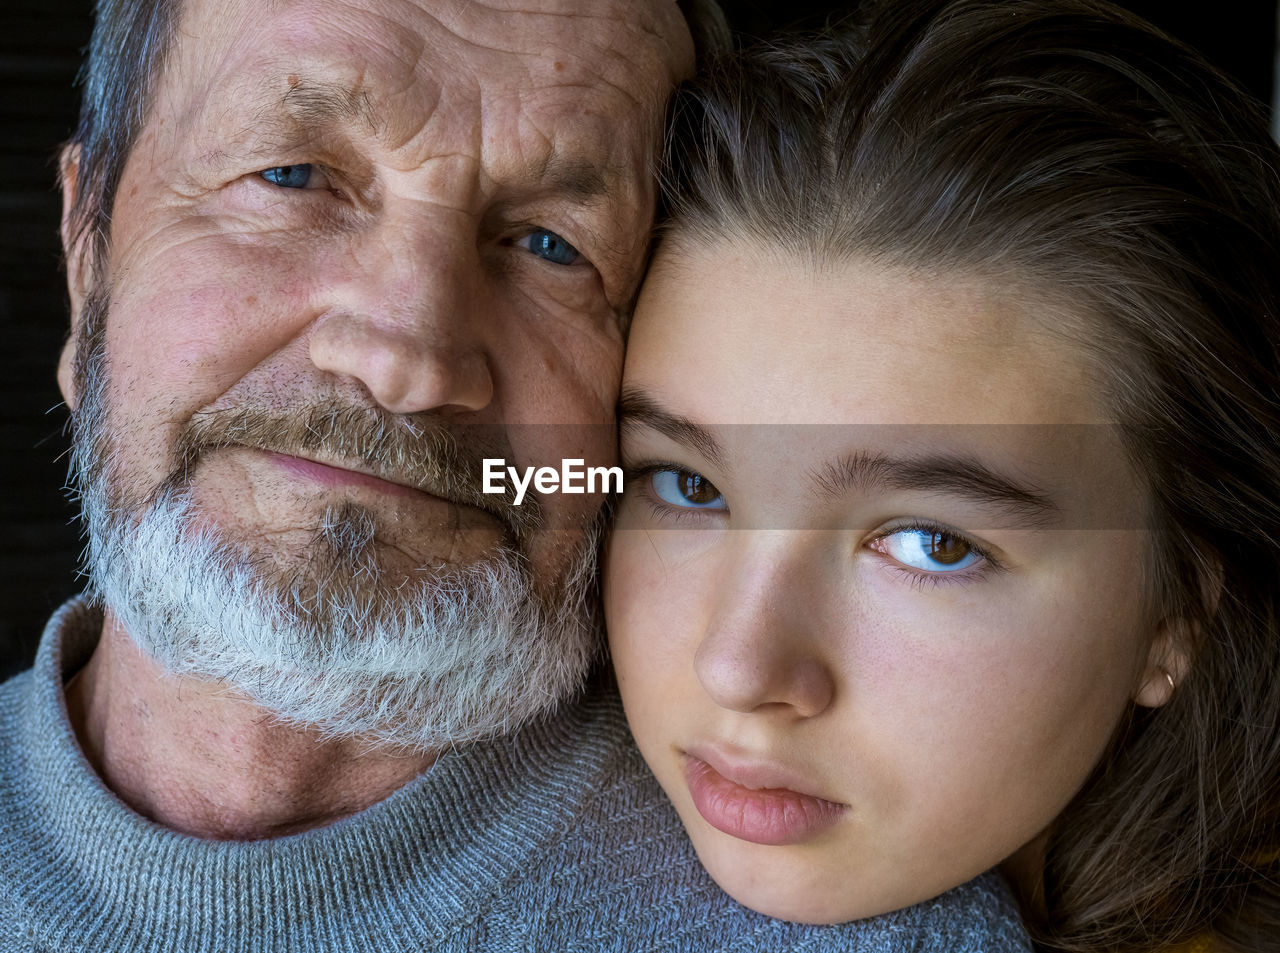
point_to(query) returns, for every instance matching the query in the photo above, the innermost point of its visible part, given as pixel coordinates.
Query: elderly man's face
(379, 221)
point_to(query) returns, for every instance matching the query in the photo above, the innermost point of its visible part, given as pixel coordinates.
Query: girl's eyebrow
(637, 408)
(957, 474)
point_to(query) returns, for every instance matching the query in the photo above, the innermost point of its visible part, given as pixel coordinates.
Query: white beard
(443, 658)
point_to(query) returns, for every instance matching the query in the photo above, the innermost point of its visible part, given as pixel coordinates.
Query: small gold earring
(1173, 686)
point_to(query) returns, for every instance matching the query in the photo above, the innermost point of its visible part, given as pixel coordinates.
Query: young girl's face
(876, 592)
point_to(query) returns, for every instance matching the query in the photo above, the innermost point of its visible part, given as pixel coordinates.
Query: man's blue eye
(931, 551)
(552, 247)
(687, 489)
(288, 176)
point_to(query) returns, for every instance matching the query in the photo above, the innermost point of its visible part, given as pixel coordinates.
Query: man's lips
(328, 475)
(756, 802)
(475, 512)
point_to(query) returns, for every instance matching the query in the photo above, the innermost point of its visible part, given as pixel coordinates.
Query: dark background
(40, 44)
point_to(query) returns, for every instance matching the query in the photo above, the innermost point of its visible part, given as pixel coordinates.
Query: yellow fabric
(1201, 945)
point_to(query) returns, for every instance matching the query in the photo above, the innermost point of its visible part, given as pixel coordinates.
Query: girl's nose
(762, 649)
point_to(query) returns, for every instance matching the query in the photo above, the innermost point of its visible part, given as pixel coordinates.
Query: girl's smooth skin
(910, 660)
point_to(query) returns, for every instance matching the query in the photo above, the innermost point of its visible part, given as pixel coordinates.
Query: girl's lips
(772, 816)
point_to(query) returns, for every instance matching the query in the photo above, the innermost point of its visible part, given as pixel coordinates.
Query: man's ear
(79, 264)
(66, 370)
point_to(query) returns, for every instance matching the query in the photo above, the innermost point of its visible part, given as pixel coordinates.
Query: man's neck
(190, 755)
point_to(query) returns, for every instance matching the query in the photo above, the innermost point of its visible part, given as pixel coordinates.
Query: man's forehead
(638, 47)
(387, 65)
(308, 102)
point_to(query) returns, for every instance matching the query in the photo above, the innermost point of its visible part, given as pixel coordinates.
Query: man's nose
(402, 320)
(762, 649)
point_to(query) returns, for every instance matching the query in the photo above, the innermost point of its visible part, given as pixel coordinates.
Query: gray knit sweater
(555, 840)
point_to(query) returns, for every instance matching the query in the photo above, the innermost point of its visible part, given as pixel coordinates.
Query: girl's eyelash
(636, 474)
(920, 579)
(926, 580)
(631, 472)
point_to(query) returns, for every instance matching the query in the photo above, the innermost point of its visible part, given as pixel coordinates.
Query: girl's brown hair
(1068, 145)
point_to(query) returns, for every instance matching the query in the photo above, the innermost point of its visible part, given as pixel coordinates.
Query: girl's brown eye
(947, 549)
(687, 489)
(929, 550)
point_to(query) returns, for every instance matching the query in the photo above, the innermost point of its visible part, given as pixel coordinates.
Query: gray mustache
(423, 452)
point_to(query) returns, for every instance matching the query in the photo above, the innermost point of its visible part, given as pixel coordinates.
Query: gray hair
(126, 55)
(707, 26)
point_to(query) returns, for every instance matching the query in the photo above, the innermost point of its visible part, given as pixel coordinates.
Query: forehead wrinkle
(617, 16)
(574, 37)
(307, 107)
(586, 179)
(364, 87)
(641, 20)
(375, 102)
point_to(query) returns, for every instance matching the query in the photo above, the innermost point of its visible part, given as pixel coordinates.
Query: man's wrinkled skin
(441, 137)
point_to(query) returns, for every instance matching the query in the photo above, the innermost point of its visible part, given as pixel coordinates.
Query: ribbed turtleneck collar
(467, 824)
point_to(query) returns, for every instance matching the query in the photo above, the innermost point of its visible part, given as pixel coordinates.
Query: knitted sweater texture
(554, 839)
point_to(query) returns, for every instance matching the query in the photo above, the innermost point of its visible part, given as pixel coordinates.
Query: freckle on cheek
(558, 66)
(293, 80)
(251, 300)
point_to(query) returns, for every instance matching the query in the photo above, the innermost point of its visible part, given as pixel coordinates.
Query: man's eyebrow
(312, 104)
(574, 177)
(956, 474)
(636, 408)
